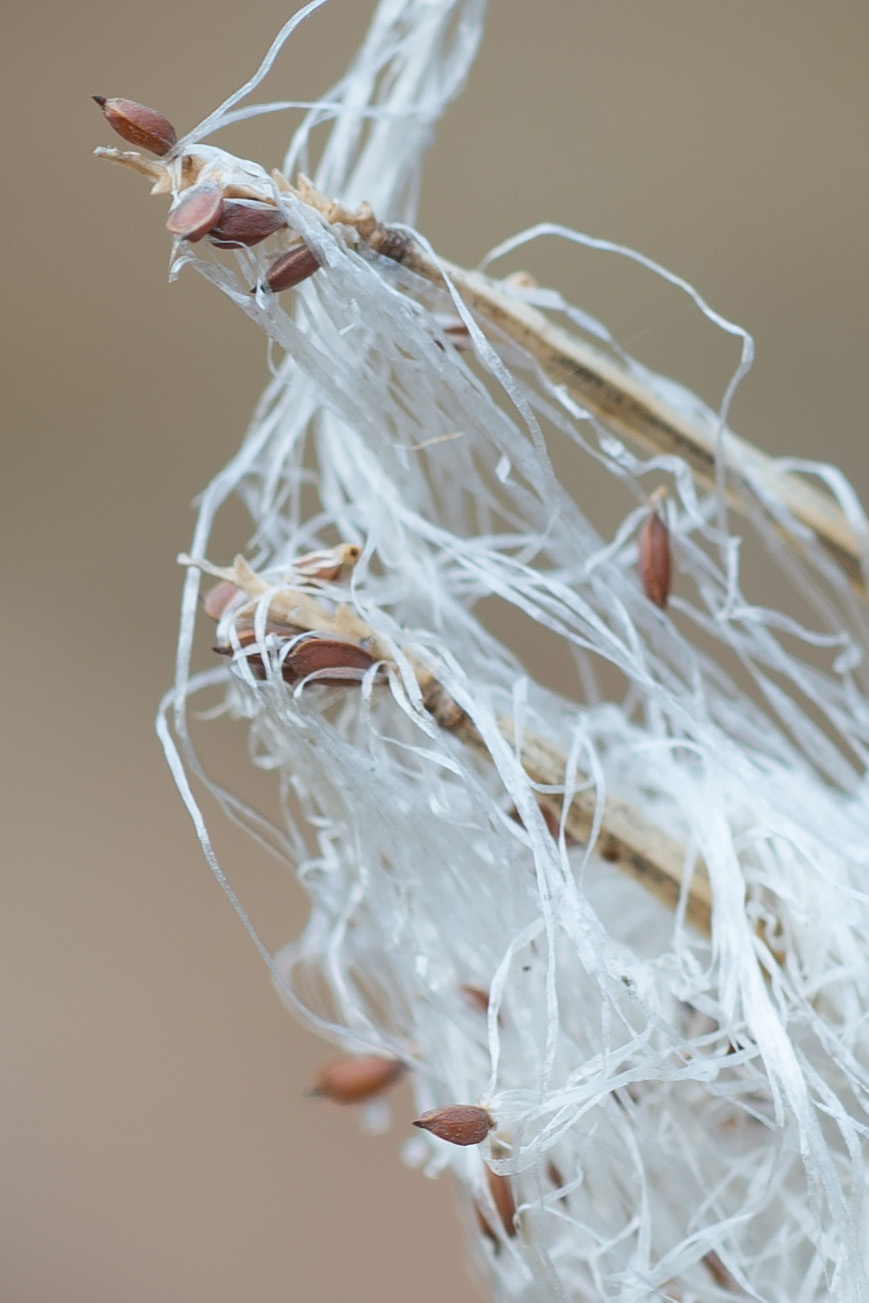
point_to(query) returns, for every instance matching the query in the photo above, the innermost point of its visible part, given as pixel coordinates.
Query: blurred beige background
(156, 1142)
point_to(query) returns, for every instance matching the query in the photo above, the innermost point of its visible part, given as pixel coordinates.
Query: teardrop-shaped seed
(138, 125)
(655, 559)
(196, 213)
(460, 1124)
(245, 222)
(356, 1078)
(291, 269)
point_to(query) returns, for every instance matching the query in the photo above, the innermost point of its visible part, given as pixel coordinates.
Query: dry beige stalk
(604, 388)
(627, 838)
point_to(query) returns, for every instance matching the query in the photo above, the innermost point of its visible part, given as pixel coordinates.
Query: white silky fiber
(680, 1112)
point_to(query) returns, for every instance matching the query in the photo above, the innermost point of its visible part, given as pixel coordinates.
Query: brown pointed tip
(138, 125)
(460, 1124)
(356, 1078)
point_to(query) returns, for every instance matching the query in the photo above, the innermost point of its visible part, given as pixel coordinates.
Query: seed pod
(138, 125)
(245, 222)
(460, 1124)
(655, 558)
(197, 213)
(291, 269)
(354, 1079)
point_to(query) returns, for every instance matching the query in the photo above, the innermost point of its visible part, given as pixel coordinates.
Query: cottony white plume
(678, 1085)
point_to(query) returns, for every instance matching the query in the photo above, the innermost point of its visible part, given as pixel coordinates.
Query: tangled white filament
(680, 1116)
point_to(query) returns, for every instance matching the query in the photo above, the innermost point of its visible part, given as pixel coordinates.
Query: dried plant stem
(609, 391)
(605, 388)
(627, 838)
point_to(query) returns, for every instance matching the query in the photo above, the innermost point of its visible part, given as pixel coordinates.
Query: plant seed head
(354, 1079)
(138, 125)
(460, 1124)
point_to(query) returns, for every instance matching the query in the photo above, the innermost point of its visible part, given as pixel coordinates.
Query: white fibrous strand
(627, 920)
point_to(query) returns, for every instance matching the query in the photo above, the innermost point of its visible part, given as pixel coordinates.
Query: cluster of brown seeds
(331, 661)
(356, 1079)
(204, 211)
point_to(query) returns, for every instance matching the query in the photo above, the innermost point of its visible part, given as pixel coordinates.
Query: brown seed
(291, 269)
(352, 1080)
(483, 1223)
(502, 1194)
(218, 597)
(553, 1171)
(246, 638)
(655, 559)
(333, 661)
(460, 1124)
(478, 997)
(138, 125)
(245, 222)
(197, 213)
(552, 821)
(720, 1273)
(343, 660)
(607, 849)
